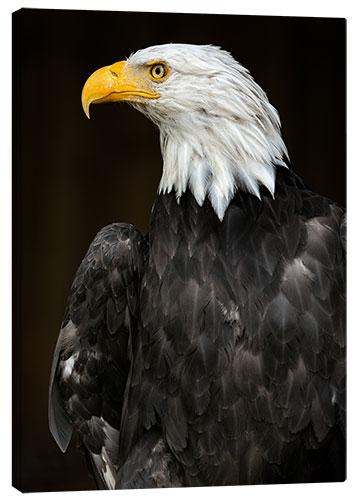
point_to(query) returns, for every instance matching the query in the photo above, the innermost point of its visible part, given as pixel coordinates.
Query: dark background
(72, 176)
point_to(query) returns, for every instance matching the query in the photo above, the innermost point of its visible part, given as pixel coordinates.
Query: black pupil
(158, 70)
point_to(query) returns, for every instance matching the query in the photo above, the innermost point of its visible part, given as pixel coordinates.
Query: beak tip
(85, 107)
(86, 101)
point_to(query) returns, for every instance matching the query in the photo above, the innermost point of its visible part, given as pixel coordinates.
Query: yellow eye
(158, 71)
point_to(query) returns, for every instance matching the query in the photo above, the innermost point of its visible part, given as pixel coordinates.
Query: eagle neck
(211, 169)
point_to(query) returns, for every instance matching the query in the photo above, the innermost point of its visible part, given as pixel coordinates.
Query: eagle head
(218, 131)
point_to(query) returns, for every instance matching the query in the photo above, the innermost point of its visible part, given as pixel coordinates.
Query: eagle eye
(158, 71)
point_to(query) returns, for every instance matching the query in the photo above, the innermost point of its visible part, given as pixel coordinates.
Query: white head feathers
(218, 131)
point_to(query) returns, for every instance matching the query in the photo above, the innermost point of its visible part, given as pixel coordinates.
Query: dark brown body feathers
(216, 348)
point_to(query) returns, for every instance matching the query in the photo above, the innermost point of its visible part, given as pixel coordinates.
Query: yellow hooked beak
(118, 82)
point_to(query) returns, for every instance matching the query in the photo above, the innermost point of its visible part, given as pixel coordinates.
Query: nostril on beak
(114, 74)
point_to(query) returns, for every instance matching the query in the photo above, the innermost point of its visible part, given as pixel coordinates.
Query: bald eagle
(212, 350)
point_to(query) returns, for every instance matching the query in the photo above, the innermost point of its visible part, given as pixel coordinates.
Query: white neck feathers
(215, 163)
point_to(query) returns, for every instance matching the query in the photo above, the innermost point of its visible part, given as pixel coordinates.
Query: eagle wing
(93, 352)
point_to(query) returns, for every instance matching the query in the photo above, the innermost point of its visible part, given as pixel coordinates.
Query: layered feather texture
(241, 346)
(93, 352)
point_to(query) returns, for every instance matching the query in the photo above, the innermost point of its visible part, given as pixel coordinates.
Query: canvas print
(179, 262)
